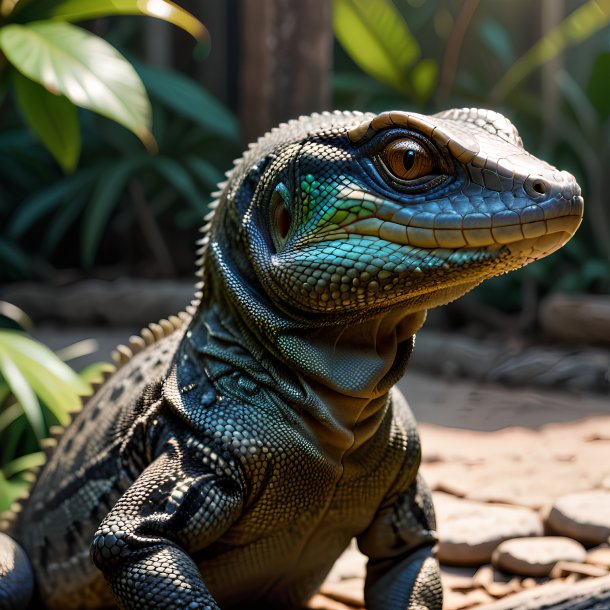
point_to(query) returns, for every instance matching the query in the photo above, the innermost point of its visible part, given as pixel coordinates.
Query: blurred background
(100, 204)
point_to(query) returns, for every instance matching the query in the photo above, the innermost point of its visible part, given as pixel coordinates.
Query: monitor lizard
(240, 446)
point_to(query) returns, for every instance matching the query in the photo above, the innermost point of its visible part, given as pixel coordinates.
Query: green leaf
(597, 87)
(376, 36)
(22, 392)
(579, 25)
(17, 315)
(176, 175)
(104, 199)
(62, 220)
(185, 97)
(96, 372)
(53, 118)
(30, 210)
(207, 174)
(13, 259)
(10, 491)
(23, 463)
(424, 77)
(91, 73)
(85, 347)
(81, 10)
(54, 382)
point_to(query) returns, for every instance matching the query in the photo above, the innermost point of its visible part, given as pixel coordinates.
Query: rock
(599, 556)
(496, 583)
(590, 594)
(582, 318)
(462, 601)
(470, 531)
(536, 556)
(458, 579)
(584, 516)
(563, 569)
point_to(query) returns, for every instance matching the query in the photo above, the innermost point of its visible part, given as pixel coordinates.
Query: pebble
(584, 516)
(536, 556)
(599, 556)
(469, 531)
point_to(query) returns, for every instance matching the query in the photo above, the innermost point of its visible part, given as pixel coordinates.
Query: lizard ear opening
(280, 217)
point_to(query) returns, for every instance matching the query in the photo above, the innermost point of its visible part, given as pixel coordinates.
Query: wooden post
(286, 62)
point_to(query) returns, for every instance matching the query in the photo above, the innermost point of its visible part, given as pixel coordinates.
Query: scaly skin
(228, 464)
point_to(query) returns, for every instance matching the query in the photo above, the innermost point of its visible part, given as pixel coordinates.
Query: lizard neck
(338, 377)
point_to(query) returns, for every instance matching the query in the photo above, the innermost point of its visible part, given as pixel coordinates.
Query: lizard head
(343, 213)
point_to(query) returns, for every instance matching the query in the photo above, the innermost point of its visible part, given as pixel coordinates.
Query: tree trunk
(286, 61)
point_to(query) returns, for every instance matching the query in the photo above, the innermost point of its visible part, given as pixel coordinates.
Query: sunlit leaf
(10, 491)
(53, 118)
(91, 73)
(23, 463)
(44, 374)
(96, 372)
(16, 314)
(424, 78)
(81, 10)
(377, 38)
(22, 391)
(574, 29)
(77, 350)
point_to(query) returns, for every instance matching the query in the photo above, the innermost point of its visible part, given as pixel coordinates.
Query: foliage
(378, 39)
(196, 137)
(577, 27)
(54, 66)
(37, 390)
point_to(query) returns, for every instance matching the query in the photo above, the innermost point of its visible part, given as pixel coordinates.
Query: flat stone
(470, 531)
(584, 516)
(564, 569)
(599, 556)
(536, 556)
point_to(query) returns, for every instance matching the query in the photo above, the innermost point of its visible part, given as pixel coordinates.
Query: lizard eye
(280, 216)
(407, 159)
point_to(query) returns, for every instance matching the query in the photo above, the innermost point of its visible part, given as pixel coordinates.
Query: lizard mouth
(520, 233)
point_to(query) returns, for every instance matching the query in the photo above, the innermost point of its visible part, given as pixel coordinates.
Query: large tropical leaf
(79, 10)
(91, 73)
(377, 38)
(53, 118)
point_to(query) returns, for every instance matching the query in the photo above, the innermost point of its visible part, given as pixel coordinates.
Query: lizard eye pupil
(408, 159)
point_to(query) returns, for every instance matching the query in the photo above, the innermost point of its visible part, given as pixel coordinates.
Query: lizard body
(229, 462)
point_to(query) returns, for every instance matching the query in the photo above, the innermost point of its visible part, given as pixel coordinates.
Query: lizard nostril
(539, 187)
(535, 186)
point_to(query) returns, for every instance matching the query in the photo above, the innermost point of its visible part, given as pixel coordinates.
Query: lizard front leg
(402, 572)
(177, 506)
